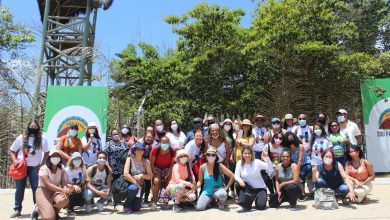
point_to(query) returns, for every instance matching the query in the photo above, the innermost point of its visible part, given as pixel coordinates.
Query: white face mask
(55, 160)
(302, 123)
(276, 126)
(174, 127)
(91, 131)
(340, 119)
(183, 160)
(327, 161)
(211, 159)
(73, 133)
(125, 131)
(318, 132)
(101, 161)
(227, 127)
(277, 141)
(160, 128)
(76, 163)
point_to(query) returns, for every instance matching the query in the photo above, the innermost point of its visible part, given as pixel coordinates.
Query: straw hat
(259, 117)
(289, 116)
(181, 153)
(226, 121)
(246, 122)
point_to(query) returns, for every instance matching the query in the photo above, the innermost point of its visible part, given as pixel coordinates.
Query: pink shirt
(54, 178)
(180, 174)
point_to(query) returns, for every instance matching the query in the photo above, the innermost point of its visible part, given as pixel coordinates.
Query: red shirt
(162, 160)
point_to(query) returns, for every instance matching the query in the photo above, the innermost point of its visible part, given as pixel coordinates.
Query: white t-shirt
(177, 141)
(76, 176)
(292, 129)
(351, 131)
(90, 157)
(304, 134)
(250, 173)
(320, 145)
(259, 134)
(32, 160)
(99, 179)
(193, 150)
(276, 153)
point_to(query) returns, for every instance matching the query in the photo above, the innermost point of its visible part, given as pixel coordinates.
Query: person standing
(117, 151)
(304, 132)
(160, 132)
(69, 143)
(32, 146)
(259, 132)
(92, 144)
(127, 136)
(349, 128)
(197, 126)
(176, 137)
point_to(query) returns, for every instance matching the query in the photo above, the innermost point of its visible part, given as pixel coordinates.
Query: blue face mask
(164, 146)
(302, 123)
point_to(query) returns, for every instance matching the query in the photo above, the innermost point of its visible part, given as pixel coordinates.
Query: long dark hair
(288, 143)
(37, 137)
(216, 170)
(96, 134)
(50, 165)
(356, 148)
(330, 126)
(313, 138)
(178, 127)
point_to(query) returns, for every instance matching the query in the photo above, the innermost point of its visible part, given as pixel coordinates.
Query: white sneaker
(232, 194)
(100, 206)
(144, 205)
(88, 208)
(240, 209)
(153, 207)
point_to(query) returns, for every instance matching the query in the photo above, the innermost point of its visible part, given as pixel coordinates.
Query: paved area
(377, 207)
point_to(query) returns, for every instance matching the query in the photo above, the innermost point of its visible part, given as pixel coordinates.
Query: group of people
(246, 161)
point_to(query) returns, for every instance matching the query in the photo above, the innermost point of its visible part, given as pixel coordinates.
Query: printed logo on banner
(384, 120)
(64, 126)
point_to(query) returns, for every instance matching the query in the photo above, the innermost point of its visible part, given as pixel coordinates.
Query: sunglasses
(276, 122)
(211, 155)
(278, 138)
(321, 118)
(301, 119)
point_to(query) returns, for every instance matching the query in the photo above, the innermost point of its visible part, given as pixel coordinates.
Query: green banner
(376, 111)
(76, 104)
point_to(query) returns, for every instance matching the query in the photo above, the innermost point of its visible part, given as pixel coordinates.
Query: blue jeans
(305, 170)
(258, 154)
(132, 201)
(32, 174)
(89, 195)
(342, 190)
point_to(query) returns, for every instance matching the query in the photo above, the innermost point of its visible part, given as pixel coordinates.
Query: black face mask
(33, 130)
(210, 123)
(321, 121)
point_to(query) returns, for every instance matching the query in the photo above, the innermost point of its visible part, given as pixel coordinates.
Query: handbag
(18, 171)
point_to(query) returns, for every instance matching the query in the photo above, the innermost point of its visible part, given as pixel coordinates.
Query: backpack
(106, 168)
(324, 198)
(119, 189)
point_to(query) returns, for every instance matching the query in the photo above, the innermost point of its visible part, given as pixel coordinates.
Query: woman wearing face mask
(331, 174)
(137, 170)
(272, 150)
(182, 187)
(287, 182)
(196, 148)
(116, 150)
(259, 132)
(229, 132)
(321, 119)
(52, 192)
(275, 122)
(210, 177)
(339, 141)
(176, 137)
(32, 146)
(319, 143)
(299, 157)
(127, 136)
(69, 143)
(92, 144)
(250, 184)
(216, 139)
(75, 173)
(162, 159)
(360, 172)
(246, 140)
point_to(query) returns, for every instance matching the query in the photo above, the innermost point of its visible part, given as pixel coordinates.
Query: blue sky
(128, 21)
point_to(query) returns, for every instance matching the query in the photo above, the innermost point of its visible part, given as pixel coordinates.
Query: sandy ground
(377, 207)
